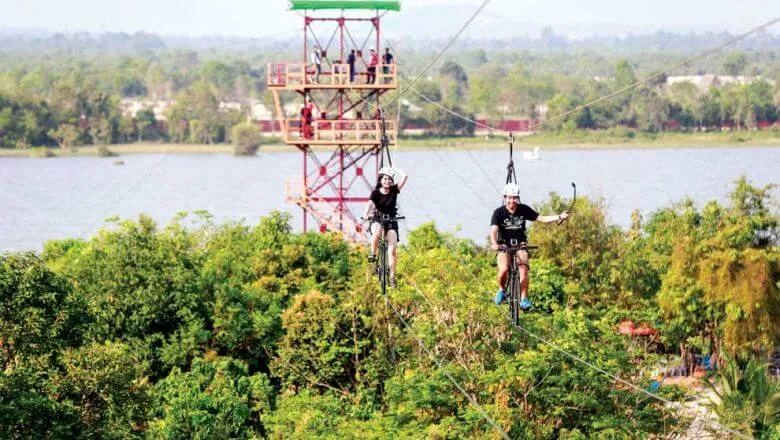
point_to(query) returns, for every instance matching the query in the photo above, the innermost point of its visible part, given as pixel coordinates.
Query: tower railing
(337, 74)
(338, 132)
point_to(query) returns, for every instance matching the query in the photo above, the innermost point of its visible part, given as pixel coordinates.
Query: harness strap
(511, 177)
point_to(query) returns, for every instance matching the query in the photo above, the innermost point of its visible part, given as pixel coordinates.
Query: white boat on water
(531, 155)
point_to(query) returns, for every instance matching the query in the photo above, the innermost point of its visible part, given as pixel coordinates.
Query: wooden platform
(300, 77)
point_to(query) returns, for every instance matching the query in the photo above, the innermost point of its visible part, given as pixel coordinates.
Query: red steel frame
(330, 185)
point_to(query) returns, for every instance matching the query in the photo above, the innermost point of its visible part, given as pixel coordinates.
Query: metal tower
(339, 115)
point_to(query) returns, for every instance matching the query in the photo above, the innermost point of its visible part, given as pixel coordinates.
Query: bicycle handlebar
(518, 247)
(383, 218)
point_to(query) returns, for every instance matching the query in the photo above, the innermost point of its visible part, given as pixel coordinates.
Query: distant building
(705, 82)
(131, 107)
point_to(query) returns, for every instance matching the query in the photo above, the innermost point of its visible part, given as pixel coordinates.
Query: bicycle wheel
(382, 266)
(514, 298)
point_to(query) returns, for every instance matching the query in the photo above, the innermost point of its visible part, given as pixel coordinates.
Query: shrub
(246, 139)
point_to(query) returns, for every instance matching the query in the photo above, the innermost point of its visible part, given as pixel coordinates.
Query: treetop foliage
(204, 330)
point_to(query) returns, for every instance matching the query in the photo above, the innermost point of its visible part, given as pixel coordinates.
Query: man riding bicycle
(384, 201)
(507, 228)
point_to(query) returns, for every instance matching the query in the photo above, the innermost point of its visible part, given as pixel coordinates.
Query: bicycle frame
(382, 268)
(513, 285)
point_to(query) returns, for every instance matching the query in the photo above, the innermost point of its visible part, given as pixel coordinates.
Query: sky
(255, 18)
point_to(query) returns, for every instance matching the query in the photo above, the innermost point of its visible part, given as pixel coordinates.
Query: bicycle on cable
(382, 258)
(515, 278)
(507, 230)
(382, 212)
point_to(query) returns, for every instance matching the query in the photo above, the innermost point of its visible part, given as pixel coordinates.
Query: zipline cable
(124, 194)
(629, 87)
(674, 404)
(441, 52)
(457, 385)
(590, 365)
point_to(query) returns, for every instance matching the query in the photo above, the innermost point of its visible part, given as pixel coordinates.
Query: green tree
(624, 74)
(585, 250)
(651, 109)
(143, 120)
(40, 311)
(746, 398)
(66, 135)
(316, 348)
(127, 127)
(735, 63)
(445, 123)
(216, 399)
(454, 81)
(685, 95)
(143, 287)
(101, 131)
(718, 273)
(105, 385)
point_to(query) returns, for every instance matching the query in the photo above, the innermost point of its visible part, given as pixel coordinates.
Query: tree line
(67, 101)
(204, 330)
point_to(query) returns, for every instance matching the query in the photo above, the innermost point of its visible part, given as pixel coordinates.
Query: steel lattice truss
(340, 141)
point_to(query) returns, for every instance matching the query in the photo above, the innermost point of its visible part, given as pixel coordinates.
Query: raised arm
(401, 176)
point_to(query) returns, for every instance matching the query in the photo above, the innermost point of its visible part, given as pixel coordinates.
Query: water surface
(44, 199)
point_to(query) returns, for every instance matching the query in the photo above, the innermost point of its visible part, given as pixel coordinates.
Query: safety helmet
(511, 190)
(387, 171)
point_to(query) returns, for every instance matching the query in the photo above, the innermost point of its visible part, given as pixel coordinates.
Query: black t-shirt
(387, 58)
(386, 203)
(512, 226)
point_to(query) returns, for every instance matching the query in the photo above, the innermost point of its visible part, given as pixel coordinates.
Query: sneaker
(371, 258)
(392, 283)
(500, 297)
(525, 304)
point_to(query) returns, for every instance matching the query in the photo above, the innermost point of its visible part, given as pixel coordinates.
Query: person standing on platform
(307, 113)
(351, 63)
(373, 60)
(316, 59)
(387, 61)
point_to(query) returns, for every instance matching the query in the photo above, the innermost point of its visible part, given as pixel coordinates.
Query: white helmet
(387, 171)
(511, 190)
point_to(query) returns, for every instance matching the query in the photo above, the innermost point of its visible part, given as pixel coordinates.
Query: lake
(44, 199)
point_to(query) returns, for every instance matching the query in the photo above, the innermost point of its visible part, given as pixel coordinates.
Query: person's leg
(392, 242)
(522, 267)
(502, 259)
(375, 238)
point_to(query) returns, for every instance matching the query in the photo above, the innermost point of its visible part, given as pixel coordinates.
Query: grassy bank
(618, 138)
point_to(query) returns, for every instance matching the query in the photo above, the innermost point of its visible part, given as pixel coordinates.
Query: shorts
(391, 226)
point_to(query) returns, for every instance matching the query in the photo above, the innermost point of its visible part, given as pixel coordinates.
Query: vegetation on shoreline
(570, 140)
(184, 97)
(200, 330)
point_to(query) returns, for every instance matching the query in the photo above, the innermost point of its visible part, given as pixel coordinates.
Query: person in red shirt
(307, 113)
(373, 61)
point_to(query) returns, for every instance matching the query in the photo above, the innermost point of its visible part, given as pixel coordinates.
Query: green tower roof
(385, 5)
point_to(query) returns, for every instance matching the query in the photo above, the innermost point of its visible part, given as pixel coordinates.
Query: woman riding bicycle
(507, 227)
(384, 201)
